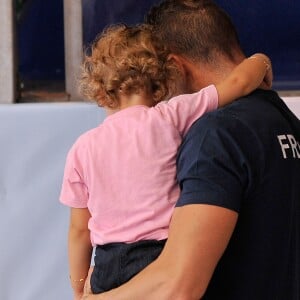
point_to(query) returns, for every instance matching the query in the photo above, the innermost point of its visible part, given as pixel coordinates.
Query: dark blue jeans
(116, 263)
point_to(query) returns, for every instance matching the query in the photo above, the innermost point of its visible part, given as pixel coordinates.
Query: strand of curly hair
(127, 59)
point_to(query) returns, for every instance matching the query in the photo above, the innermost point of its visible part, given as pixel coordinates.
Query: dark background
(272, 27)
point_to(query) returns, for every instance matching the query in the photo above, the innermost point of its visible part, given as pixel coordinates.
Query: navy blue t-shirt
(246, 157)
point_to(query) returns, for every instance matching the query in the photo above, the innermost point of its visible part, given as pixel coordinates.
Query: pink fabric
(124, 170)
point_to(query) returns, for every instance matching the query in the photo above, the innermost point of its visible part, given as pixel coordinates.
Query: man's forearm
(152, 283)
(198, 236)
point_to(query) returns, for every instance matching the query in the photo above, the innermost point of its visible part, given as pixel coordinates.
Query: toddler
(120, 178)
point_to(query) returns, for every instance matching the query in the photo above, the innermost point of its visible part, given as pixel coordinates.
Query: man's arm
(198, 237)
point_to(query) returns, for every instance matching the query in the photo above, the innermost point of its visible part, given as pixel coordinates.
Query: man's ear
(187, 69)
(179, 61)
(182, 66)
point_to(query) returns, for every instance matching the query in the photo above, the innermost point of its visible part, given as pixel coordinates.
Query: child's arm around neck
(245, 77)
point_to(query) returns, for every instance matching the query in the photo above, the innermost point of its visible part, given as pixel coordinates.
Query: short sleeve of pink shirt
(74, 192)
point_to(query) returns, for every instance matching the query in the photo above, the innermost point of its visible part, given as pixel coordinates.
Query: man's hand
(93, 297)
(87, 292)
(87, 285)
(77, 296)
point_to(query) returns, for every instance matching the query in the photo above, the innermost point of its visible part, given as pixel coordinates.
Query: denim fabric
(116, 263)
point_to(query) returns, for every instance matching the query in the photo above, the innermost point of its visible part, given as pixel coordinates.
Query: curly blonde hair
(127, 60)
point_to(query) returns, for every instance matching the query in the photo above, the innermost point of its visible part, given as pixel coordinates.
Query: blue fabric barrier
(270, 27)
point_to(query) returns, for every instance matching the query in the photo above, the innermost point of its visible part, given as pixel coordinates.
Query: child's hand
(268, 80)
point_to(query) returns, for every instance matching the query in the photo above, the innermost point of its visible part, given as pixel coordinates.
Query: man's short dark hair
(198, 29)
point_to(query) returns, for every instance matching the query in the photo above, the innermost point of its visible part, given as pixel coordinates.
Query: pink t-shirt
(124, 170)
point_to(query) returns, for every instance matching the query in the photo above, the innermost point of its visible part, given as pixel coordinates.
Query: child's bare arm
(80, 249)
(253, 72)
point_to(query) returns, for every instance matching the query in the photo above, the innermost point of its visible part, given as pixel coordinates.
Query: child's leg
(116, 263)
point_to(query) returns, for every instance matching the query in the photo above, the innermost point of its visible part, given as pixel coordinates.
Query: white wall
(33, 224)
(294, 104)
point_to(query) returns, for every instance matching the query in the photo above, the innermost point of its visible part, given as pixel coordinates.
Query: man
(235, 233)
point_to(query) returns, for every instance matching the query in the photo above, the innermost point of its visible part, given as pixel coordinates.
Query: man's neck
(200, 75)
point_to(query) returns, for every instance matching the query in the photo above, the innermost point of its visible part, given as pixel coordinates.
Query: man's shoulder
(244, 110)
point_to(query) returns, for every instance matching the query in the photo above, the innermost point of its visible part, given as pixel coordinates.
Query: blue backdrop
(270, 28)
(41, 40)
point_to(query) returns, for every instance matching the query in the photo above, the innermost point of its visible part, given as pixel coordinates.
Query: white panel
(34, 140)
(294, 104)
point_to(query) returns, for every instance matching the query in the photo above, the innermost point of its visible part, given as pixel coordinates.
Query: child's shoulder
(88, 136)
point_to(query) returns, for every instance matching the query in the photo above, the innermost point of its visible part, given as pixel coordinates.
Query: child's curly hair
(127, 60)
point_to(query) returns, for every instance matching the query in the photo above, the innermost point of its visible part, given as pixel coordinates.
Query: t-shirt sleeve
(182, 111)
(74, 192)
(212, 166)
